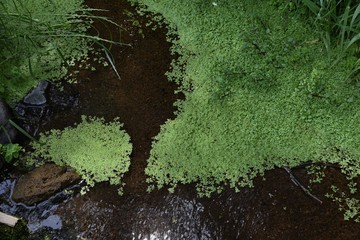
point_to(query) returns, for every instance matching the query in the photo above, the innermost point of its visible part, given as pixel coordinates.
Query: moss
(98, 151)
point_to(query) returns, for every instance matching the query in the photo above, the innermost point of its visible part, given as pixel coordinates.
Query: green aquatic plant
(347, 199)
(98, 151)
(10, 151)
(41, 39)
(349, 205)
(316, 174)
(261, 92)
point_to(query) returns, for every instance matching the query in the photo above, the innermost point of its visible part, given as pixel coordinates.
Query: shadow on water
(143, 99)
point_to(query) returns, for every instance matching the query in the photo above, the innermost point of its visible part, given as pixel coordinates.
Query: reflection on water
(37, 216)
(274, 209)
(159, 215)
(153, 236)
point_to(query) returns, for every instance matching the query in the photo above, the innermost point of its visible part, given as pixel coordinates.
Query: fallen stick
(8, 220)
(297, 183)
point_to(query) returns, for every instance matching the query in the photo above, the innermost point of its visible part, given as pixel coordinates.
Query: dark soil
(143, 99)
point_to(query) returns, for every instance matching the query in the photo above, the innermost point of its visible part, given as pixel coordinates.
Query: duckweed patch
(261, 92)
(98, 151)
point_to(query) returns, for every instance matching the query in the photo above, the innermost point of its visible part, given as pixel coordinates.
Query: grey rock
(43, 182)
(37, 95)
(7, 131)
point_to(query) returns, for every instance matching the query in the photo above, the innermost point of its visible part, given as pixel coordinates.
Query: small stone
(5, 116)
(37, 95)
(43, 182)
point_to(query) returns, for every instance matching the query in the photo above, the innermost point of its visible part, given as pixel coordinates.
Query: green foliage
(98, 151)
(338, 22)
(40, 39)
(316, 172)
(135, 22)
(338, 19)
(10, 151)
(348, 202)
(261, 91)
(349, 205)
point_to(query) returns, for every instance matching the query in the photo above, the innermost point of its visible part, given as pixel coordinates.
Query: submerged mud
(143, 99)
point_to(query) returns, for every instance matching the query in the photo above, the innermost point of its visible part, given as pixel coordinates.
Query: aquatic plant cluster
(98, 151)
(261, 91)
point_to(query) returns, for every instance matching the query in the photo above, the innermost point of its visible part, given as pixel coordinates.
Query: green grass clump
(39, 40)
(98, 151)
(261, 91)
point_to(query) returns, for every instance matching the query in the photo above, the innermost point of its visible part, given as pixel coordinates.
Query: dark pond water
(143, 99)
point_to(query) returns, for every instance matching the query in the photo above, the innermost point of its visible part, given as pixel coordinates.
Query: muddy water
(143, 99)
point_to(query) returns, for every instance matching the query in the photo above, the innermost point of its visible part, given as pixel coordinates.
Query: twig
(297, 183)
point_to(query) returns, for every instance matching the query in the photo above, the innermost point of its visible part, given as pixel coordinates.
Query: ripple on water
(38, 216)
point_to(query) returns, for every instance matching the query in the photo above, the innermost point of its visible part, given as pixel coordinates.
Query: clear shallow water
(37, 216)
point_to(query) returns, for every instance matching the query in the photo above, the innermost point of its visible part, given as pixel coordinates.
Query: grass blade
(312, 6)
(327, 42)
(355, 15)
(6, 133)
(111, 61)
(30, 68)
(21, 130)
(343, 25)
(353, 40)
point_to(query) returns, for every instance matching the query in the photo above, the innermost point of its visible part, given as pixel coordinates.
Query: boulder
(9, 134)
(43, 182)
(37, 96)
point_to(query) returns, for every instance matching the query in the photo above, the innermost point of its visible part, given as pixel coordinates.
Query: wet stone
(63, 100)
(37, 95)
(9, 134)
(32, 117)
(43, 182)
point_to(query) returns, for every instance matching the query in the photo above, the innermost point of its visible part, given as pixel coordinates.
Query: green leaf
(10, 151)
(354, 17)
(312, 6)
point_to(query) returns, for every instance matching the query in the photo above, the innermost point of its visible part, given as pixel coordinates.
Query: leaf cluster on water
(98, 151)
(261, 91)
